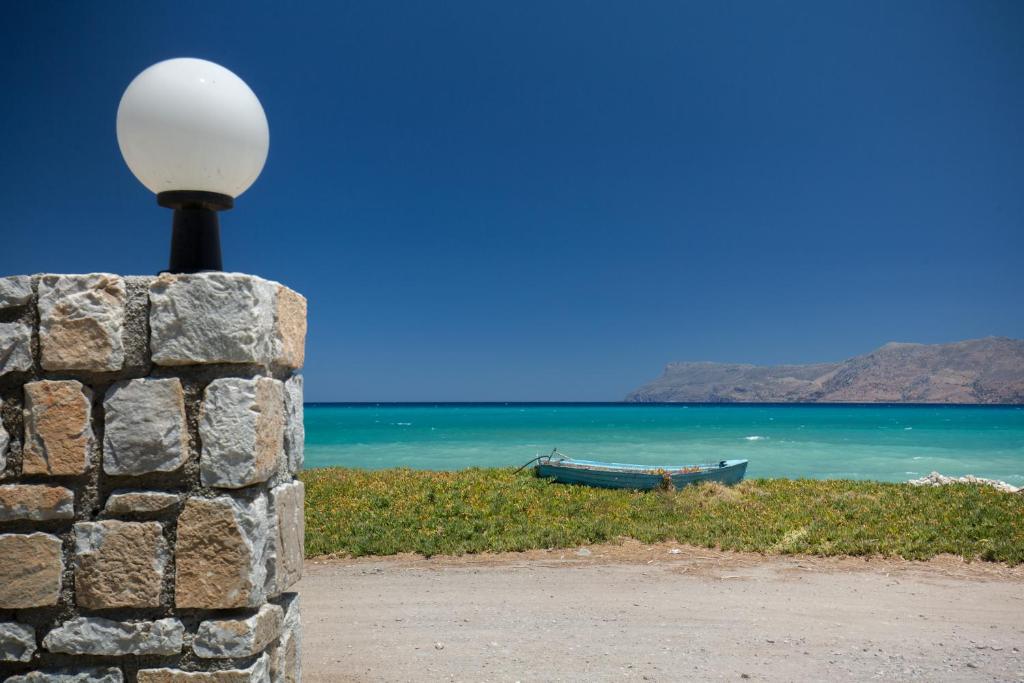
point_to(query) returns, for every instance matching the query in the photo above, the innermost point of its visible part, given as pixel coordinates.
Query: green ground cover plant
(358, 512)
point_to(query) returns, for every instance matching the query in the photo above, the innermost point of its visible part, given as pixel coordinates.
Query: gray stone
(222, 553)
(145, 427)
(36, 502)
(15, 348)
(211, 318)
(257, 673)
(241, 427)
(98, 636)
(225, 638)
(15, 290)
(139, 502)
(288, 516)
(286, 655)
(294, 429)
(17, 642)
(5, 442)
(81, 319)
(76, 675)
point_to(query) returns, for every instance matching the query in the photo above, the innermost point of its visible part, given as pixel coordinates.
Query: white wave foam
(756, 437)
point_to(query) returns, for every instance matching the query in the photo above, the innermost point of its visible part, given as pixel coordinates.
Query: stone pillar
(151, 522)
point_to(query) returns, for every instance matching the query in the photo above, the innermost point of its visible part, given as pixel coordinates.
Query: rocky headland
(989, 370)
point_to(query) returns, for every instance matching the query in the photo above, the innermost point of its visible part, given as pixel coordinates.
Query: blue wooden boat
(613, 475)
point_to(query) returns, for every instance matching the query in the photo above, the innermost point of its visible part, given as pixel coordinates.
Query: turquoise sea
(883, 442)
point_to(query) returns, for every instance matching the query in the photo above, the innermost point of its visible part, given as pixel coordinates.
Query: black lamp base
(195, 237)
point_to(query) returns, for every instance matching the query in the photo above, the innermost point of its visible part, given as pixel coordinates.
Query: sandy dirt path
(660, 613)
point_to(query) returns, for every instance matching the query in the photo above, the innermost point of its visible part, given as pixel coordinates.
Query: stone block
(241, 426)
(119, 564)
(139, 502)
(17, 642)
(30, 570)
(294, 429)
(286, 656)
(15, 347)
(257, 673)
(107, 674)
(58, 433)
(222, 553)
(211, 318)
(289, 328)
(15, 290)
(287, 502)
(5, 443)
(81, 319)
(145, 427)
(36, 502)
(105, 637)
(226, 638)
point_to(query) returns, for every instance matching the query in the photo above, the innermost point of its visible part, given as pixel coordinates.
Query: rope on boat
(553, 453)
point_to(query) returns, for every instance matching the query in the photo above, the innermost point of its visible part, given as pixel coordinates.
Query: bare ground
(660, 613)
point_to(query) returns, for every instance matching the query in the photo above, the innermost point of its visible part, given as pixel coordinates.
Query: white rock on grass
(241, 427)
(211, 318)
(81, 319)
(15, 348)
(15, 290)
(105, 637)
(225, 638)
(17, 642)
(295, 430)
(76, 675)
(145, 427)
(936, 479)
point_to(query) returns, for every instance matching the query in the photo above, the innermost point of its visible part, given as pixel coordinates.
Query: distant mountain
(989, 370)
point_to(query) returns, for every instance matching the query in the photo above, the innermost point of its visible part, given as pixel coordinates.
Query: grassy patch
(357, 512)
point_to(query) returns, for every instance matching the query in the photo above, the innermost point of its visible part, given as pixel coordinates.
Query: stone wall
(151, 525)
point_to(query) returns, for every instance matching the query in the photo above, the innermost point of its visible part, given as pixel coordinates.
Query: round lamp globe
(191, 125)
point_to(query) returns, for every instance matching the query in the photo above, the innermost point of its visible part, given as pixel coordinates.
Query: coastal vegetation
(360, 512)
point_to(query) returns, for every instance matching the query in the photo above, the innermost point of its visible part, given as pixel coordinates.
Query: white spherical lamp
(195, 134)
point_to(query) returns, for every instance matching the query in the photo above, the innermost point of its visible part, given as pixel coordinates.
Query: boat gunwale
(652, 470)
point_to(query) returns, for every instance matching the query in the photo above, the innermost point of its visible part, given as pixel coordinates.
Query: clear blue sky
(550, 200)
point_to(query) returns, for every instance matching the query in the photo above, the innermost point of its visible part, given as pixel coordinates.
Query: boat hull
(615, 476)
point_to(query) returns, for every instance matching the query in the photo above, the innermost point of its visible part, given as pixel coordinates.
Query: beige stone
(221, 553)
(289, 328)
(30, 570)
(36, 502)
(58, 434)
(119, 564)
(257, 673)
(287, 501)
(81, 318)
